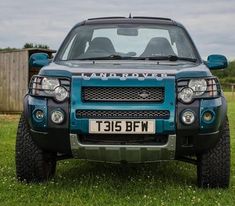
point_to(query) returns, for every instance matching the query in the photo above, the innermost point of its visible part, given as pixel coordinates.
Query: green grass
(84, 183)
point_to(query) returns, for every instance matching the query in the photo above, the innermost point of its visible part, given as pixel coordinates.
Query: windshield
(126, 41)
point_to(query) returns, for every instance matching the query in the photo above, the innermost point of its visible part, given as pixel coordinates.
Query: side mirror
(39, 60)
(216, 61)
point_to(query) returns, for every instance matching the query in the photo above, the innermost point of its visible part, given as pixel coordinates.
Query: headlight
(186, 95)
(201, 89)
(61, 94)
(57, 88)
(199, 86)
(49, 85)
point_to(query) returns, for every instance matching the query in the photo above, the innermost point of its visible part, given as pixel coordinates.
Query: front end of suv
(120, 108)
(185, 122)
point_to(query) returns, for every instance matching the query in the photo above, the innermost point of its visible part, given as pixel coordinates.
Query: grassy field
(84, 183)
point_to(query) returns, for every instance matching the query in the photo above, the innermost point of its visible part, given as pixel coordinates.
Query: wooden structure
(14, 78)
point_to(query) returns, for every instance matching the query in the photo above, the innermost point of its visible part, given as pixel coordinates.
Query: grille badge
(144, 94)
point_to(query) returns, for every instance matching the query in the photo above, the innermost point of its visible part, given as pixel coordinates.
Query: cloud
(211, 23)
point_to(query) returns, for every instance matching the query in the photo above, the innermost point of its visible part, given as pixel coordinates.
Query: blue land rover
(125, 90)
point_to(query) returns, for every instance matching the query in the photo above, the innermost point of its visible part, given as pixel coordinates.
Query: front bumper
(59, 140)
(123, 153)
(190, 140)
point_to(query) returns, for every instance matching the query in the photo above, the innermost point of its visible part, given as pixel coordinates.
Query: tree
(7, 49)
(38, 46)
(227, 75)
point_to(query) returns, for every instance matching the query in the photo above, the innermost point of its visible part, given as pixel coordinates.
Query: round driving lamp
(188, 117)
(60, 93)
(186, 95)
(57, 117)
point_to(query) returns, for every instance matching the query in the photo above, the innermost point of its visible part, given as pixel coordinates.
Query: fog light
(188, 117)
(39, 114)
(57, 117)
(207, 116)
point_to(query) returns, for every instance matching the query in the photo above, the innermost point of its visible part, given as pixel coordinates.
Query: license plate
(122, 126)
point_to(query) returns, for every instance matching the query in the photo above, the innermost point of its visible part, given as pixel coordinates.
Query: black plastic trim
(54, 140)
(64, 106)
(26, 107)
(197, 142)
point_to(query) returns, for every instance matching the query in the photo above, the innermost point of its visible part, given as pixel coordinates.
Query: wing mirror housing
(39, 60)
(216, 61)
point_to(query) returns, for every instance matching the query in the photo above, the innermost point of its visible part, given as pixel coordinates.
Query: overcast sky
(211, 23)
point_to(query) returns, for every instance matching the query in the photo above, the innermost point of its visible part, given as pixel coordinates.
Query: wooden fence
(229, 90)
(13, 80)
(14, 77)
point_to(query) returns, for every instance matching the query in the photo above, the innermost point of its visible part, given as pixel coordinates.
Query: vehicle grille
(123, 94)
(142, 114)
(144, 139)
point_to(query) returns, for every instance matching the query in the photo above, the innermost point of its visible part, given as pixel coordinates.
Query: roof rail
(111, 17)
(149, 17)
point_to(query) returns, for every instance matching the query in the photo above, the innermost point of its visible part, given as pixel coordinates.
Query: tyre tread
(32, 163)
(214, 165)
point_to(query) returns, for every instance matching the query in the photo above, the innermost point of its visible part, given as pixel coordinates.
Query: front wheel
(32, 163)
(213, 168)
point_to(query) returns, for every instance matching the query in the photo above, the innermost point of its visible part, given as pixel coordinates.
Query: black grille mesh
(143, 114)
(123, 94)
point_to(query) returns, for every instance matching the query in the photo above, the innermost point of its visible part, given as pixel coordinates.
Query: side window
(183, 45)
(68, 49)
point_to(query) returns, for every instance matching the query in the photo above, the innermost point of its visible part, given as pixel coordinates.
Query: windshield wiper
(113, 57)
(119, 57)
(109, 57)
(171, 58)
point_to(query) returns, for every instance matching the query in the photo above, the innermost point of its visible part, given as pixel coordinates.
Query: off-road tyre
(213, 170)
(32, 163)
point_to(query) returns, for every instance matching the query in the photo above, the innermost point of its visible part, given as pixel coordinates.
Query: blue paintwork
(177, 71)
(35, 103)
(74, 69)
(39, 60)
(162, 125)
(69, 69)
(56, 73)
(216, 61)
(214, 105)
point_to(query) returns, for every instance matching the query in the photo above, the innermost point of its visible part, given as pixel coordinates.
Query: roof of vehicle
(130, 19)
